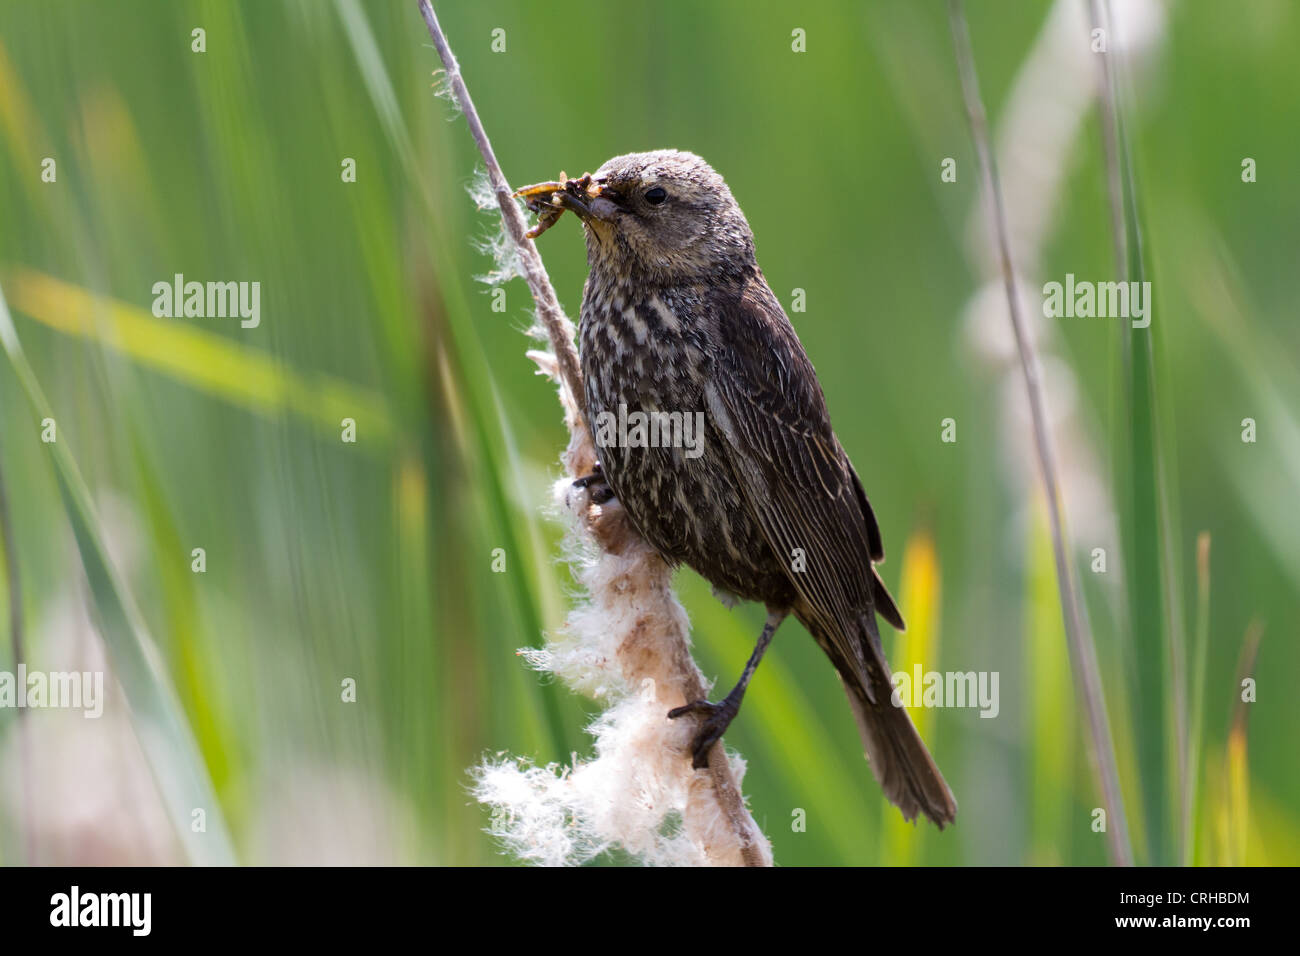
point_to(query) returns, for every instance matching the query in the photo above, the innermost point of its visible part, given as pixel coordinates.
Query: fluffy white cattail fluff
(497, 244)
(626, 645)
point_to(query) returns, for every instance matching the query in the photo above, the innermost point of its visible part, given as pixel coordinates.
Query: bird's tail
(898, 756)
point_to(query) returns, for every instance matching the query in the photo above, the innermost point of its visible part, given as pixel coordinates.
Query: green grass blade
(160, 722)
(1200, 651)
(1157, 697)
(474, 381)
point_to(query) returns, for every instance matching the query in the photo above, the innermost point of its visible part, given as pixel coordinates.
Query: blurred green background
(372, 561)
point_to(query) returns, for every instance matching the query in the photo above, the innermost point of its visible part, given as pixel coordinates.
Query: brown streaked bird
(677, 317)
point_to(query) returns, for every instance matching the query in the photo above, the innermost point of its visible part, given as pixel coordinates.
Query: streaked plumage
(676, 316)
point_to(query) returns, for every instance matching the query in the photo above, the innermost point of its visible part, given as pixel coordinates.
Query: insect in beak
(549, 200)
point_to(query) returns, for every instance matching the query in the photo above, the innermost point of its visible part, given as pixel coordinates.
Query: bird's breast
(646, 362)
(646, 349)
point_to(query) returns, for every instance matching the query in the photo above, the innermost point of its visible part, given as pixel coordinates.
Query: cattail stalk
(653, 653)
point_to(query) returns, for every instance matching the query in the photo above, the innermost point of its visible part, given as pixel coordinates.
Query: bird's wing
(769, 408)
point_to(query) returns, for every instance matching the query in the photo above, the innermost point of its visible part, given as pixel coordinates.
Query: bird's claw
(715, 718)
(598, 490)
(596, 475)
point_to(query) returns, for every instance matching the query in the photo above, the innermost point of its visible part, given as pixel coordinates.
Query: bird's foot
(596, 475)
(593, 502)
(598, 490)
(714, 721)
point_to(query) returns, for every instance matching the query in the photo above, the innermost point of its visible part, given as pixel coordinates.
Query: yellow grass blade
(239, 374)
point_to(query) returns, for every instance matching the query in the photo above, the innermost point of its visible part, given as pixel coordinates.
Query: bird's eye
(657, 196)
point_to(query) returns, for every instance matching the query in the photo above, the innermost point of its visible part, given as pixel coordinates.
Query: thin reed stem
(560, 332)
(1083, 652)
(558, 327)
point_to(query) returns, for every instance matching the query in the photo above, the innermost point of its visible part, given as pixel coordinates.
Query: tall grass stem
(1083, 651)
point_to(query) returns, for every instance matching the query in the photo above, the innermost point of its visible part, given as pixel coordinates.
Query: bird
(677, 317)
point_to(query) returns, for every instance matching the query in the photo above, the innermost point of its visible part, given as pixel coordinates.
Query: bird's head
(656, 214)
